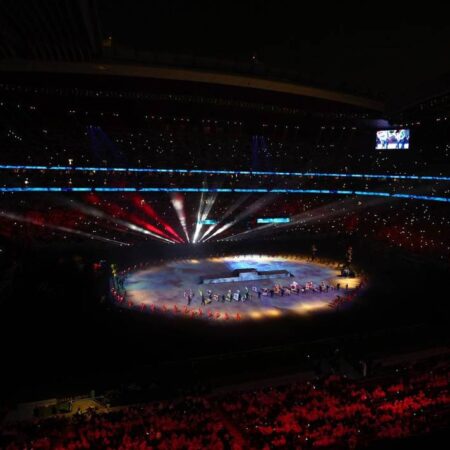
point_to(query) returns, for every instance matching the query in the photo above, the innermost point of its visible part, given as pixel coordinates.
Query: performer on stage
(202, 296)
(313, 252)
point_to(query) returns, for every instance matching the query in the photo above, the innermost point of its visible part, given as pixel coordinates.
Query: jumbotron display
(392, 139)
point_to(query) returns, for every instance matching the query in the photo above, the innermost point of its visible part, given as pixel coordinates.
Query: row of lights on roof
(181, 119)
(407, 124)
(265, 125)
(13, 135)
(115, 114)
(337, 128)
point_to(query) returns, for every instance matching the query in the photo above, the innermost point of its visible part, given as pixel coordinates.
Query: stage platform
(161, 288)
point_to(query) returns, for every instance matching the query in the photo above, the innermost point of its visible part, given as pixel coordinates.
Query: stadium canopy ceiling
(376, 57)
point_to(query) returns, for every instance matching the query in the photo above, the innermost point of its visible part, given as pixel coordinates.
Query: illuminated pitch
(164, 289)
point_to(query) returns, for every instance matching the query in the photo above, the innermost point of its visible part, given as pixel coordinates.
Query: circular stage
(244, 287)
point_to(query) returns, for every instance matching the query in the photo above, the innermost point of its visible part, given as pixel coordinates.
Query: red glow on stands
(36, 217)
(93, 199)
(351, 222)
(418, 240)
(7, 228)
(57, 217)
(292, 208)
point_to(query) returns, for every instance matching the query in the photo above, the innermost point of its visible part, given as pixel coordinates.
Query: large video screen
(392, 139)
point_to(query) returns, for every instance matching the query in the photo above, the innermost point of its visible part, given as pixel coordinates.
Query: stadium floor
(161, 288)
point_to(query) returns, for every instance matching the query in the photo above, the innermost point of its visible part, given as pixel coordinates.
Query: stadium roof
(381, 55)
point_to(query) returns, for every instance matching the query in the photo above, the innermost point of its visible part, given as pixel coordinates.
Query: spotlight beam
(117, 211)
(228, 212)
(140, 202)
(178, 204)
(325, 212)
(256, 206)
(202, 215)
(94, 212)
(246, 232)
(19, 218)
(198, 225)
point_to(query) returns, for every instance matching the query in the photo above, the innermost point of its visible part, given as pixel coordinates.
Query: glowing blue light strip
(8, 167)
(273, 220)
(228, 172)
(226, 190)
(207, 222)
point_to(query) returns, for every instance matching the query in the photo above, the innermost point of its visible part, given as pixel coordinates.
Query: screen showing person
(392, 139)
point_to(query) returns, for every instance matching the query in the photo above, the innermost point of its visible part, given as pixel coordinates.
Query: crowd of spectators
(45, 129)
(333, 412)
(337, 412)
(191, 423)
(52, 130)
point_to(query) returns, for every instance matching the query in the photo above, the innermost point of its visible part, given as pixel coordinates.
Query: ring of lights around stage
(159, 289)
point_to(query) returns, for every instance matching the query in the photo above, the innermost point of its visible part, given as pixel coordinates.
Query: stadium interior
(223, 225)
